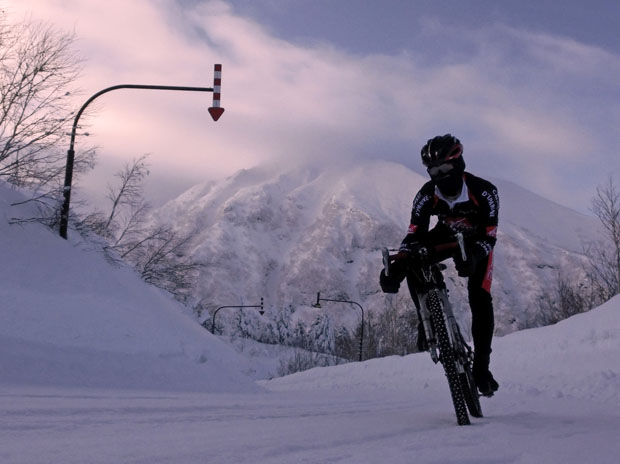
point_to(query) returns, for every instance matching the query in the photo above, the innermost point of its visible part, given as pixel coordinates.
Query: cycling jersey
(474, 212)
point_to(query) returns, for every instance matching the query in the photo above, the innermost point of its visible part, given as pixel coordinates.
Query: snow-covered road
(42, 425)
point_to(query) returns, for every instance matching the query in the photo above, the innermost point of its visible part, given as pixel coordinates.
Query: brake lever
(461, 242)
(386, 260)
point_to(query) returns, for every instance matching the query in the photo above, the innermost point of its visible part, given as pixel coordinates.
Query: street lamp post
(261, 311)
(215, 111)
(318, 305)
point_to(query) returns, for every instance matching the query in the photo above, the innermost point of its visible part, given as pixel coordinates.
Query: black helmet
(443, 158)
(443, 148)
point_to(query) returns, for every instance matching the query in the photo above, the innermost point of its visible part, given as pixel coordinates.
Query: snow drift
(68, 317)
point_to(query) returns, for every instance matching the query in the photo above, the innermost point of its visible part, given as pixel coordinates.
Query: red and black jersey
(474, 212)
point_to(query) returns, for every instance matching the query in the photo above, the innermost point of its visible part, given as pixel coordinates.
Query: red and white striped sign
(216, 110)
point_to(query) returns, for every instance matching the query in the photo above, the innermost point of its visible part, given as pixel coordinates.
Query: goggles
(443, 168)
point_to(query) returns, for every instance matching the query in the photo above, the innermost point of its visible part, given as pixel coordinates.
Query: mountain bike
(443, 335)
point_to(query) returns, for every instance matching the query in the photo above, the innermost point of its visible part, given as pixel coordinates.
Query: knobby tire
(447, 358)
(471, 395)
(470, 392)
(468, 385)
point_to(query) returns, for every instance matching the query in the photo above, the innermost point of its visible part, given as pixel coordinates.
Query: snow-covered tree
(282, 328)
(321, 334)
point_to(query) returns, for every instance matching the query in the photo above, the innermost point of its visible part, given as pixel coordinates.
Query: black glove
(388, 283)
(475, 254)
(409, 247)
(408, 243)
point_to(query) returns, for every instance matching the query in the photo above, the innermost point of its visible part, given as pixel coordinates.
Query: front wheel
(466, 376)
(470, 392)
(448, 359)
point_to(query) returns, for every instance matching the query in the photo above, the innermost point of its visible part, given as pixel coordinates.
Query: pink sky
(293, 102)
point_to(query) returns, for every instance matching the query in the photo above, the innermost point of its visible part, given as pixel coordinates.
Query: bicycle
(443, 335)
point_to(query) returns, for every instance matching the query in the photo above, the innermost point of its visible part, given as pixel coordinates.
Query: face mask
(450, 185)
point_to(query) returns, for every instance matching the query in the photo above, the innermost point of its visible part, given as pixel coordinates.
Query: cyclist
(463, 203)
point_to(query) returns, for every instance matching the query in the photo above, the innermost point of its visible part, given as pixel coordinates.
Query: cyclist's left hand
(475, 254)
(465, 268)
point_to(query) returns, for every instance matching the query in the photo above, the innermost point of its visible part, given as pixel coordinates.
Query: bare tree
(38, 69)
(162, 260)
(128, 208)
(125, 222)
(158, 252)
(567, 298)
(604, 255)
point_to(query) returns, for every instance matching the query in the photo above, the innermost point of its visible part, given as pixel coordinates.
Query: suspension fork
(425, 316)
(451, 324)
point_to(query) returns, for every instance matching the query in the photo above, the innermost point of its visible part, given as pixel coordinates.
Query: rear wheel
(447, 358)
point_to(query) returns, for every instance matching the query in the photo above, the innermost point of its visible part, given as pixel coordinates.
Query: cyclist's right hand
(388, 284)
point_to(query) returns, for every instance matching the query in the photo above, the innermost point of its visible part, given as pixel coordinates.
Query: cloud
(521, 102)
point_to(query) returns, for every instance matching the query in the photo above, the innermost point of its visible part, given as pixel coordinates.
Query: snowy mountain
(287, 233)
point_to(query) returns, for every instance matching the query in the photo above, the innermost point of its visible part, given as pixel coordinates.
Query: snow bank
(578, 357)
(68, 317)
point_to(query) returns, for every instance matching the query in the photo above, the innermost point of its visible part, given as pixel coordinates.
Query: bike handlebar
(445, 246)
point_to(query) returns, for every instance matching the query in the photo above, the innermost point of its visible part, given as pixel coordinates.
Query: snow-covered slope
(68, 317)
(576, 358)
(285, 234)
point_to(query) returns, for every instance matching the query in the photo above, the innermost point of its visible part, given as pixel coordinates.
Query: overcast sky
(531, 88)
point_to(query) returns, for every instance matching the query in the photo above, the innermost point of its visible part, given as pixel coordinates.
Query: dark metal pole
(64, 213)
(362, 331)
(261, 306)
(318, 305)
